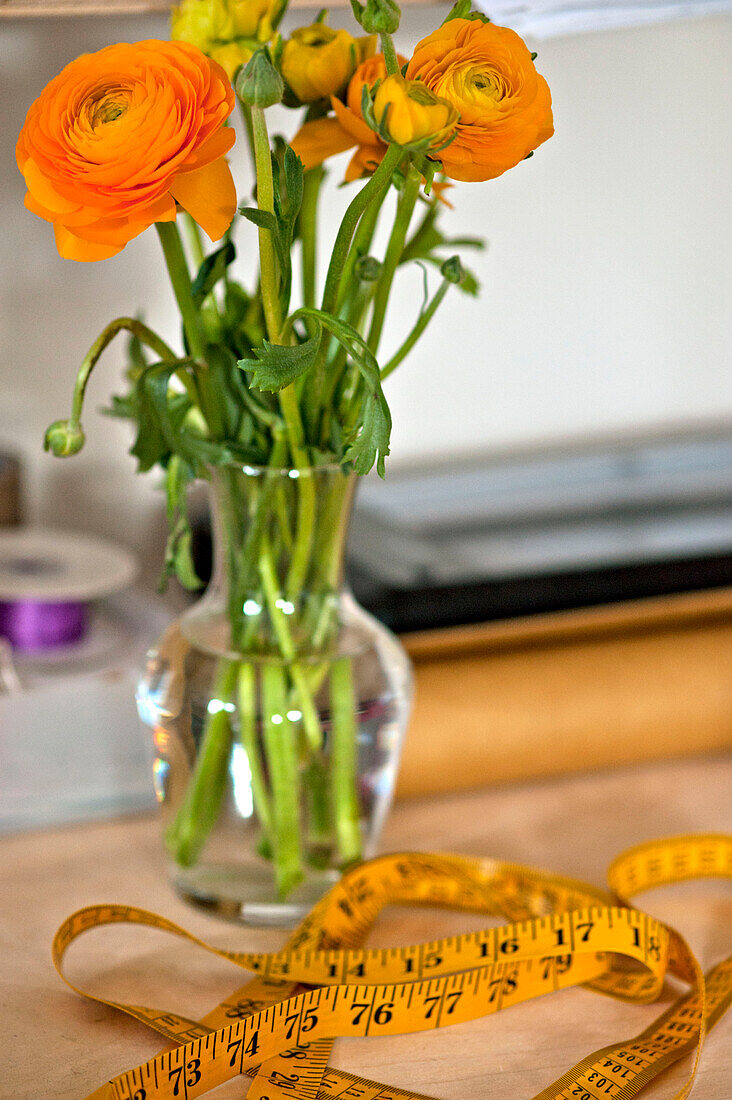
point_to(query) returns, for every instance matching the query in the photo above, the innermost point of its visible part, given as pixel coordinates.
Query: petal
(209, 196)
(213, 148)
(352, 124)
(73, 248)
(319, 139)
(364, 161)
(35, 208)
(44, 192)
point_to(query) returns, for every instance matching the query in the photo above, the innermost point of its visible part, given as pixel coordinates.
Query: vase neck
(279, 540)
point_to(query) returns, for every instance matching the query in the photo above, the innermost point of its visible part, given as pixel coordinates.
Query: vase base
(247, 895)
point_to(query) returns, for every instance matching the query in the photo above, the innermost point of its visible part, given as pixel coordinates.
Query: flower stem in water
(246, 692)
(187, 834)
(280, 739)
(343, 761)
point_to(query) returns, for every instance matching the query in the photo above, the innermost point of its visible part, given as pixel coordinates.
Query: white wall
(605, 301)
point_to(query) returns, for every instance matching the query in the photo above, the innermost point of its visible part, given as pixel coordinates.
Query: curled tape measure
(278, 1028)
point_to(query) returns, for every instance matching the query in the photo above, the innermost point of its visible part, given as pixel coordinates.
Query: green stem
(420, 325)
(294, 425)
(193, 236)
(209, 309)
(352, 303)
(281, 625)
(390, 55)
(187, 834)
(328, 549)
(304, 538)
(373, 190)
(181, 281)
(361, 245)
(405, 209)
(244, 563)
(246, 692)
(281, 748)
(306, 495)
(375, 187)
(308, 232)
(319, 817)
(337, 368)
(269, 278)
(246, 115)
(343, 761)
(122, 324)
(424, 227)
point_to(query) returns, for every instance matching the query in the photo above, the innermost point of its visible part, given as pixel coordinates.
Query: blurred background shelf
(119, 7)
(581, 690)
(545, 530)
(541, 18)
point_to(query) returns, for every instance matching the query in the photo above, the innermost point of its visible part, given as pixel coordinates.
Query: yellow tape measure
(278, 1028)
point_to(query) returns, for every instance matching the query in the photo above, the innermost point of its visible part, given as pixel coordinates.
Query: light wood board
(60, 1046)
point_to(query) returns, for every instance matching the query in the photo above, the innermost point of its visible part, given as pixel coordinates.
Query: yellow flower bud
(230, 57)
(407, 113)
(194, 21)
(218, 27)
(318, 61)
(254, 18)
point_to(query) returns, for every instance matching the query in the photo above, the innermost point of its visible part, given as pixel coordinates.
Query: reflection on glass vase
(278, 706)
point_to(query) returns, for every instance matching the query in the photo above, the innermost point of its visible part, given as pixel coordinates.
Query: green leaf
(294, 182)
(371, 444)
(469, 284)
(236, 305)
(276, 366)
(263, 219)
(123, 407)
(154, 431)
(430, 239)
(211, 271)
(373, 437)
(462, 10)
(160, 416)
(178, 475)
(136, 356)
(178, 555)
(467, 242)
(288, 180)
(223, 373)
(185, 570)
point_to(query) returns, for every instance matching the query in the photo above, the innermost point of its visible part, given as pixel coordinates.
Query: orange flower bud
(409, 114)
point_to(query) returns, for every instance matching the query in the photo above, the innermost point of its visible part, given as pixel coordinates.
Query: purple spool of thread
(31, 625)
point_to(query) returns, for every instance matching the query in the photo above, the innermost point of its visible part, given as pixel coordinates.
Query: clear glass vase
(278, 706)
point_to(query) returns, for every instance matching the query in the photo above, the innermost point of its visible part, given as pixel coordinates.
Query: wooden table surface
(58, 1045)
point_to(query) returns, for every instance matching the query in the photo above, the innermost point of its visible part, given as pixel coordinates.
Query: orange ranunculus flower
(505, 106)
(119, 137)
(321, 138)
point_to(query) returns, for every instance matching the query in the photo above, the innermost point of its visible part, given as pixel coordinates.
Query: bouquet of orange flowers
(277, 372)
